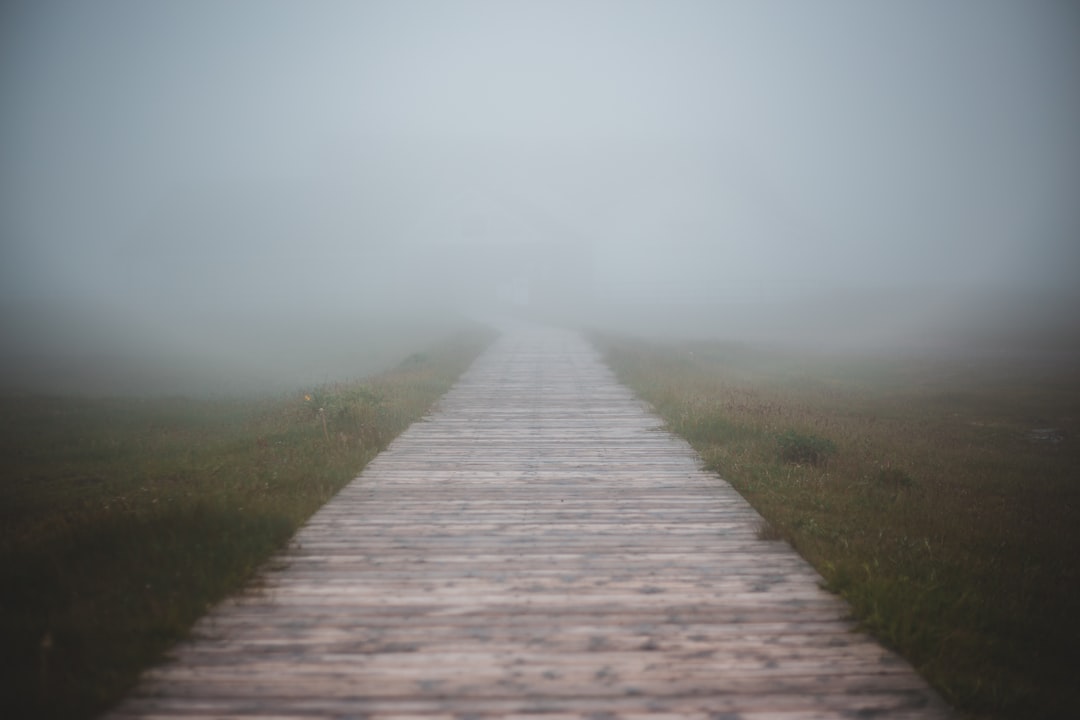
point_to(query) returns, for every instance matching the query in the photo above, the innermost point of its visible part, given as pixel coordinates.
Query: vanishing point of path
(537, 545)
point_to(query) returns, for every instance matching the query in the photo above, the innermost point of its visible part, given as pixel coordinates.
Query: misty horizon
(216, 180)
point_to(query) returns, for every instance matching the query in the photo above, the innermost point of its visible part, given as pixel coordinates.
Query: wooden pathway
(538, 545)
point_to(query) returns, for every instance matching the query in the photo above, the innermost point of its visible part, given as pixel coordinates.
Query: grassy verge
(941, 498)
(123, 520)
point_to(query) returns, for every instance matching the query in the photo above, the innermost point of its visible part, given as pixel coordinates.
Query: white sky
(268, 152)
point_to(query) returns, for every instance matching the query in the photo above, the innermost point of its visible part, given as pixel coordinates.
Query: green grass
(916, 488)
(123, 520)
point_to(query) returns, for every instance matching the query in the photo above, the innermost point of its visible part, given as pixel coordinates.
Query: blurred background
(227, 196)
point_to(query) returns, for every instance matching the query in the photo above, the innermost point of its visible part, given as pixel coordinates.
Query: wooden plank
(537, 545)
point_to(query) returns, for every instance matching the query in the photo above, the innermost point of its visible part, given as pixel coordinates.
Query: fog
(272, 187)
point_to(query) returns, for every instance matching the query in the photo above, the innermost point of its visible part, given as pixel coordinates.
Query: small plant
(768, 531)
(893, 478)
(803, 449)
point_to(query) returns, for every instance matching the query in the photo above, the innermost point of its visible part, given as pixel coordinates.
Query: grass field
(123, 520)
(940, 497)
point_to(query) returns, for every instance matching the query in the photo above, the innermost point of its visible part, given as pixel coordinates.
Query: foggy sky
(165, 162)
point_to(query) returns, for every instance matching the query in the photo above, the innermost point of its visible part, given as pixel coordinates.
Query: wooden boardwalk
(538, 545)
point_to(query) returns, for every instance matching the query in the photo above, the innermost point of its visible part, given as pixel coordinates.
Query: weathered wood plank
(538, 545)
